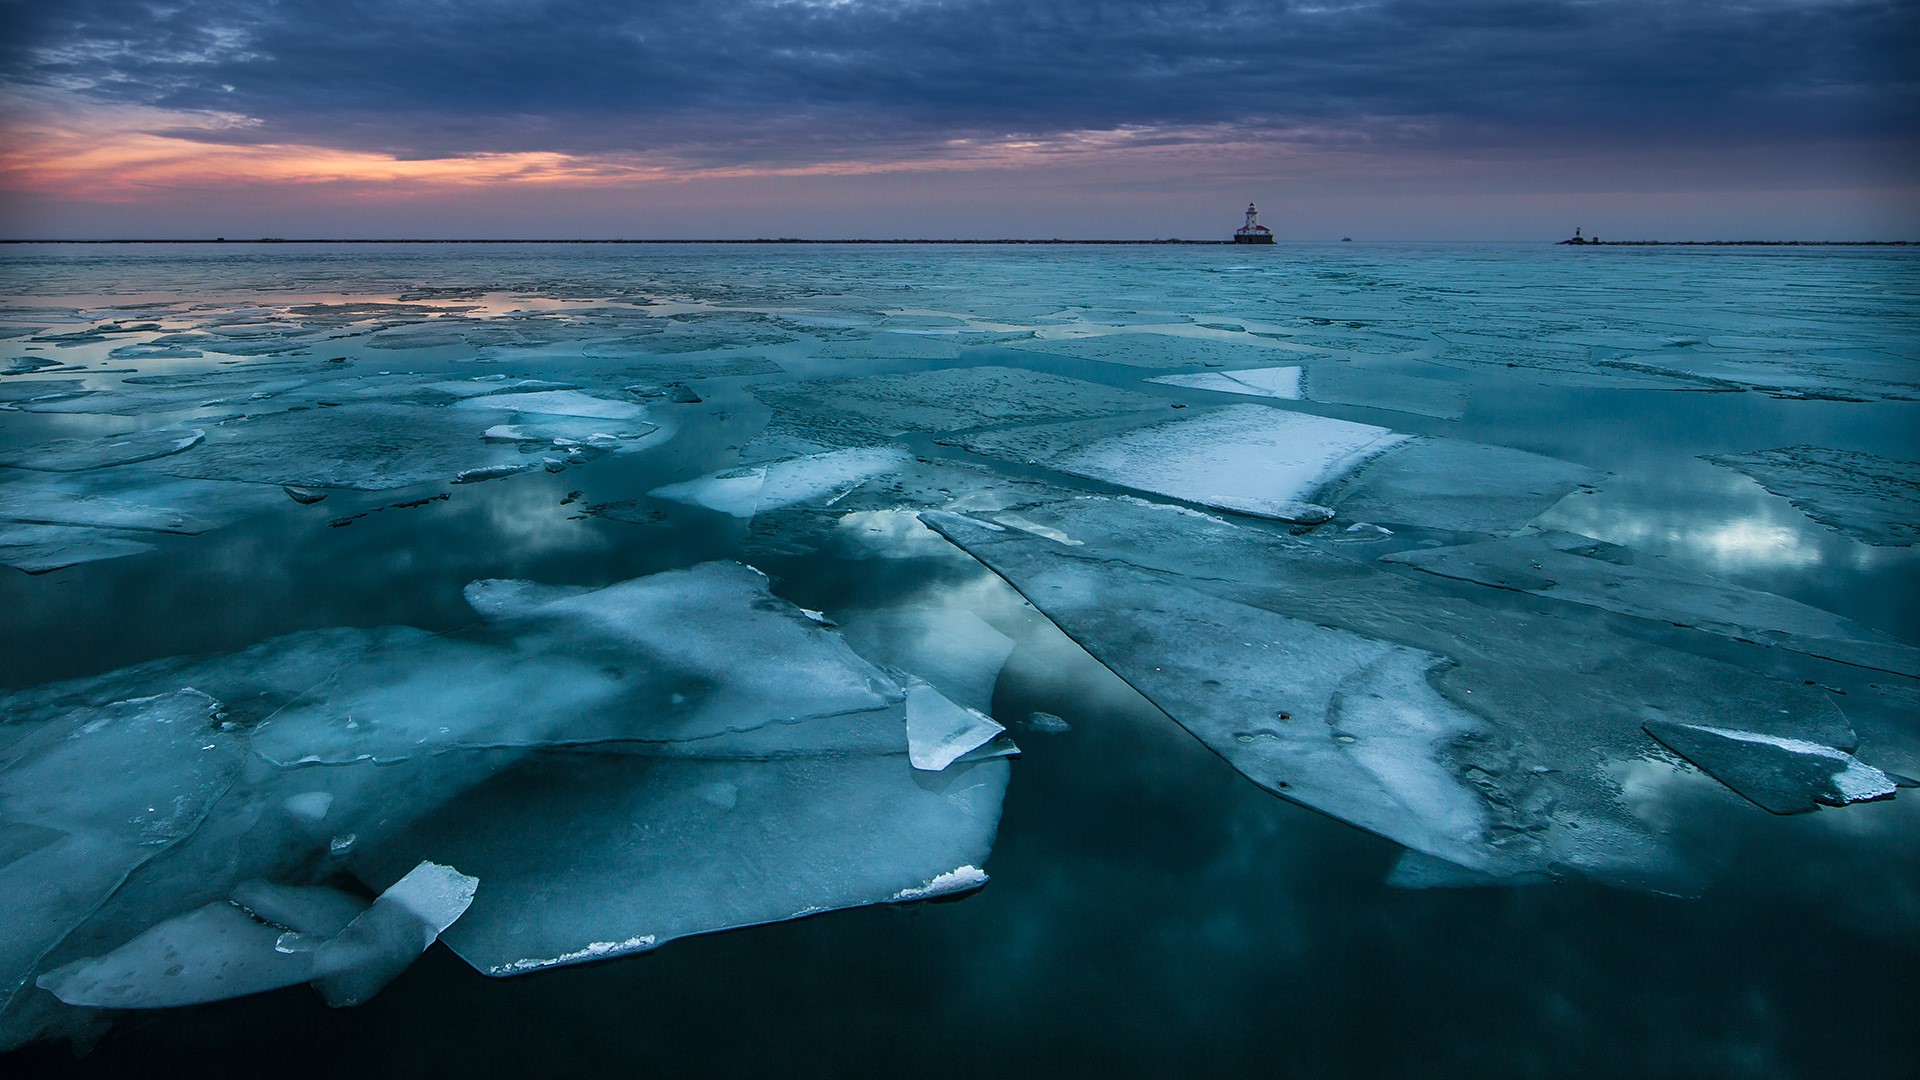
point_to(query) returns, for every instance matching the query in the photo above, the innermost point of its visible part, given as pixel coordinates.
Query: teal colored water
(1151, 911)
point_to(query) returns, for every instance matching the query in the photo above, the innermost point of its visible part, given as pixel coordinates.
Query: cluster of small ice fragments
(589, 772)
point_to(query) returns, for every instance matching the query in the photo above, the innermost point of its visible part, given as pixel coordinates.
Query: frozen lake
(1424, 660)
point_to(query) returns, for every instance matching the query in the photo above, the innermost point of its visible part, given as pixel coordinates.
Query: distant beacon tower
(1253, 232)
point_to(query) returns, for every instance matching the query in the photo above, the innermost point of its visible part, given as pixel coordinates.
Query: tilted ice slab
(1531, 709)
(1873, 499)
(1247, 458)
(38, 549)
(90, 796)
(873, 409)
(680, 655)
(1336, 383)
(223, 951)
(1583, 570)
(747, 491)
(940, 732)
(79, 455)
(1785, 776)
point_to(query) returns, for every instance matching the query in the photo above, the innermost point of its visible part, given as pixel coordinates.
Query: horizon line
(1172, 241)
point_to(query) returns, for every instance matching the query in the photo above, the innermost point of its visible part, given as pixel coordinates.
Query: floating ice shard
(679, 655)
(79, 455)
(864, 411)
(748, 491)
(940, 732)
(952, 648)
(1256, 643)
(1783, 775)
(1588, 571)
(228, 950)
(119, 784)
(1247, 458)
(1873, 499)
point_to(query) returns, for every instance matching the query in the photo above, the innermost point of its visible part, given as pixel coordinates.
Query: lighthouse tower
(1253, 232)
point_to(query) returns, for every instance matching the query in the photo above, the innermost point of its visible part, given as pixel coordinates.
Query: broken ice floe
(103, 791)
(655, 659)
(747, 491)
(1783, 775)
(1588, 571)
(1873, 499)
(1416, 714)
(272, 937)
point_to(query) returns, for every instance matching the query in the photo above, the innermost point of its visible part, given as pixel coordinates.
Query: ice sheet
(1583, 570)
(865, 411)
(365, 447)
(1457, 486)
(1873, 499)
(1152, 350)
(1517, 710)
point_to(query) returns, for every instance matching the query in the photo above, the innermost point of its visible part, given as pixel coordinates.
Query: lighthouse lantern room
(1253, 232)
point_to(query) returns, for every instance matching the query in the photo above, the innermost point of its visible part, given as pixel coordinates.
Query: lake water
(1152, 909)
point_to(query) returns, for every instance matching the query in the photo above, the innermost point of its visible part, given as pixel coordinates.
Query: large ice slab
(1506, 716)
(778, 823)
(1583, 570)
(1873, 499)
(873, 409)
(1247, 458)
(1158, 350)
(118, 785)
(680, 655)
(1783, 775)
(753, 489)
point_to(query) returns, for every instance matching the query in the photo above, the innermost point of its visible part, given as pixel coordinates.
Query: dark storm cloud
(766, 81)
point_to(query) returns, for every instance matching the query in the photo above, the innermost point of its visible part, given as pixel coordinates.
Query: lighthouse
(1253, 232)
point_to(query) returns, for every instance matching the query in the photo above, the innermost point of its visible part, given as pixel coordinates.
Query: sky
(1079, 119)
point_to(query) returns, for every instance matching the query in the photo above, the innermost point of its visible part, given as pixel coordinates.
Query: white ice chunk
(559, 403)
(1248, 458)
(938, 731)
(309, 806)
(746, 492)
(1272, 382)
(959, 879)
